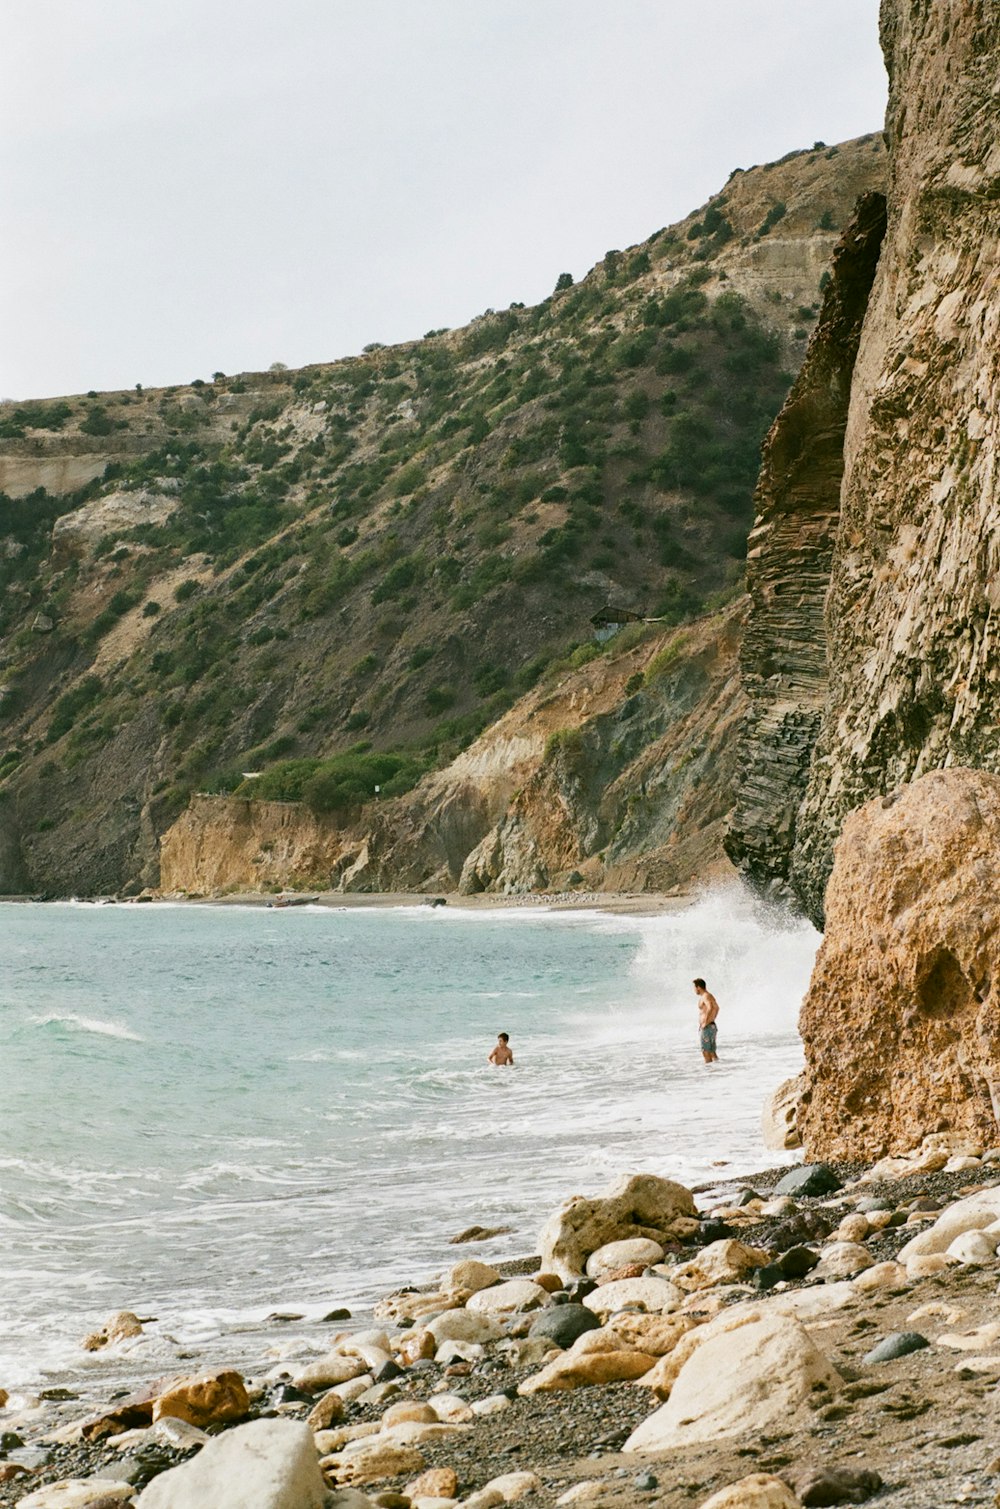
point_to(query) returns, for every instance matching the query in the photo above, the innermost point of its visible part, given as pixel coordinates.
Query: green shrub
(71, 704)
(185, 589)
(439, 699)
(98, 421)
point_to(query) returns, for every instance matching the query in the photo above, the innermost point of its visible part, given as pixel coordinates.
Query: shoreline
(614, 903)
(565, 1447)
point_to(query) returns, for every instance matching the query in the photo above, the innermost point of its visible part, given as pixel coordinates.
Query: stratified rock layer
(783, 656)
(911, 626)
(901, 1024)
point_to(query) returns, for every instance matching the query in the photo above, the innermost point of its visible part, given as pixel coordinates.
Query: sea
(215, 1114)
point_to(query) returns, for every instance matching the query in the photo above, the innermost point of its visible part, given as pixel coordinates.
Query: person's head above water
(503, 1037)
(699, 985)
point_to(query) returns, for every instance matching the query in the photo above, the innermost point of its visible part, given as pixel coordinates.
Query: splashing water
(213, 1113)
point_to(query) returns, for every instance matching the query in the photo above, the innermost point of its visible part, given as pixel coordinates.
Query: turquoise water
(211, 1113)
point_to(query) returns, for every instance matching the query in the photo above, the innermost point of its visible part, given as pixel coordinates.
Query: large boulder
(901, 1023)
(638, 1205)
(267, 1464)
(738, 1381)
(974, 1213)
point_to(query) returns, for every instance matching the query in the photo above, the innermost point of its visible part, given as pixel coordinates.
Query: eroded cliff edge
(911, 662)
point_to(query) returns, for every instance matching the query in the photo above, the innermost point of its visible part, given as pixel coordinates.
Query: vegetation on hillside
(392, 547)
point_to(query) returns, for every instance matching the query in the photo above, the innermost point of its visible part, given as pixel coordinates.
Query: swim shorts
(708, 1037)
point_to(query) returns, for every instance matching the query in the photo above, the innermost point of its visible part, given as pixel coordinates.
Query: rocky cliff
(616, 776)
(901, 1024)
(911, 609)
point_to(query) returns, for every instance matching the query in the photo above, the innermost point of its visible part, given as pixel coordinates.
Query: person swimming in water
(501, 1054)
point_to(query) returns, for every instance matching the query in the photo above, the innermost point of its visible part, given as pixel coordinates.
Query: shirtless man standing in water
(501, 1053)
(708, 1010)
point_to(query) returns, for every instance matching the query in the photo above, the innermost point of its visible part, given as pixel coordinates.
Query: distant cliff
(897, 529)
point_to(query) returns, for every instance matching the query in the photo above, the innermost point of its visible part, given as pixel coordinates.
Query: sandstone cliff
(901, 1024)
(619, 776)
(912, 603)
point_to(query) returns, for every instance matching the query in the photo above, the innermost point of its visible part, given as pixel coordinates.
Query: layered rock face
(901, 1024)
(911, 612)
(788, 564)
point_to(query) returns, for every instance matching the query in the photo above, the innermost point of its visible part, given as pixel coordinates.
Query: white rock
(882, 1276)
(976, 1249)
(512, 1297)
(654, 1295)
(843, 1260)
(465, 1325)
(986, 1335)
(451, 1408)
(493, 1404)
(614, 1255)
(326, 1372)
(738, 1381)
(853, 1228)
(350, 1343)
(472, 1276)
(512, 1486)
(414, 1433)
(354, 1388)
(638, 1205)
(981, 1364)
(821, 1299)
(758, 1491)
(724, 1262)
(929, 1266)
(781, 1205)
(959, 1164)
(267, 1464)
(591, 1491)
(79, 1493)
(974, 1213)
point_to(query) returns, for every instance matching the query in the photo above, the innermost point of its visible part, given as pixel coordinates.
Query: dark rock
(872, 1202)
(388, 1370)
(923, 1202)
(339, 1314)
(745, 1196)
(798, 1261)
(287, 1393)
(479, 1234)
(715, 1231)
(809, 1180)
(818, 1487)
(765, 1278)
(896, 1344)
(284, 1316)
(58, 1395)
(581, 1289)
(10, 1441)
(564, 1323)
(645, 1482)
(806, 1226)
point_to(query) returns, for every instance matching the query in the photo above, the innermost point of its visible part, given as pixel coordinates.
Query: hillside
(385, 553)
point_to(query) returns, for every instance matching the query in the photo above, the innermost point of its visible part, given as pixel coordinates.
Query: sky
(192, 186)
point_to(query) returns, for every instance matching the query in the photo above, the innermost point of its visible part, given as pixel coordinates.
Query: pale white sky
(196, 185)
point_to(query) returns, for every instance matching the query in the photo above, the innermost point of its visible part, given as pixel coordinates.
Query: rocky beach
(821, 1335)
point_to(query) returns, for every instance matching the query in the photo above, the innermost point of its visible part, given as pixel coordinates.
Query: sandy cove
(759, 1324)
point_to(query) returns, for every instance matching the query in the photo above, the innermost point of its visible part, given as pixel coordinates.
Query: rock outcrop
(911, 618)
(901, 1024)
(788, 565)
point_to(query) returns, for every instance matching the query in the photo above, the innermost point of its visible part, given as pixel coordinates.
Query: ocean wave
(78, 1023)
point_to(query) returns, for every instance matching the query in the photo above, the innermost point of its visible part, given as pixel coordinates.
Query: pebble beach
(819, 1335)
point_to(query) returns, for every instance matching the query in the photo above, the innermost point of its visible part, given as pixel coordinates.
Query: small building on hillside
(607, 621)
